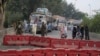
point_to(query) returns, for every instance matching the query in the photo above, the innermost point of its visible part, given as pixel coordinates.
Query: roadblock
(21, 40)
(16, 40)
(49, 52)
(86, 44)
(10, 40)
(97, 44)
(40, 41)
(62, 43)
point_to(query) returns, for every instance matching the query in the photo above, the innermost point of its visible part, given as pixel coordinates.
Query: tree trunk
(2, 14)
(1, 17)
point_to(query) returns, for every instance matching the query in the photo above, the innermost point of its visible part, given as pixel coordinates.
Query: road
(56, 34)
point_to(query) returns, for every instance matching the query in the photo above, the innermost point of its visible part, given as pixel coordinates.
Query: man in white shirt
(34, 29)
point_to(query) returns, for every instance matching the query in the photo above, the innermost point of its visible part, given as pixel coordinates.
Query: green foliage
(94, 23)
(60, 7)
(25, 7)
(11, 17)
(86, 21)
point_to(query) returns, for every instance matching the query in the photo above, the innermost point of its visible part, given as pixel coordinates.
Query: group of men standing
(26, 27)
(80, 32)
(77, 32)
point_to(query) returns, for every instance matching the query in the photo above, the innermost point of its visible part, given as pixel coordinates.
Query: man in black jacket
(82, 32)
(74, 31)
(86, 33)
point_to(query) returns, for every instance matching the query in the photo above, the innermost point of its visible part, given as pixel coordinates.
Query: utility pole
(90, 10)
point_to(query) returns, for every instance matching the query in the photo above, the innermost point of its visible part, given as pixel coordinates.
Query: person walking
(82, 31)
(43, 29)
(64, 31)
(74, 32)
(86, 33)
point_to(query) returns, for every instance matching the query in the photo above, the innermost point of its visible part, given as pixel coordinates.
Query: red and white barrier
(50, 42)
(49, 52)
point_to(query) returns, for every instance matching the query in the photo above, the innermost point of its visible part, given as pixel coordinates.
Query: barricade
(50, 42)
(72, 44)
(60, 52)
(64, 43)
(94, 52)
(83, 54)
(86, 44)
(10, 39)
(57, 43)
(40, 41)
(72, 53)
(16, 40)
(97, 44)
(35, 40)
(29, 52)
(48, 51)
(8, 53)
(77, 53)
(23, 40)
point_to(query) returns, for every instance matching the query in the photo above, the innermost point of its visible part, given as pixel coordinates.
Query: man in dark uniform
(19, 28)
(74, 32)
(43, 29)
(82, 32)
(86, 33)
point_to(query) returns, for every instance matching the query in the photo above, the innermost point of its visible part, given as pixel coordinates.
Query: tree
(23, 8)
(93, 23)
(2, 14)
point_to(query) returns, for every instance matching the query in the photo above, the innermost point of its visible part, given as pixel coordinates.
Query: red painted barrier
(73, 44)
(23, 40)
(86, 44)
(64, 43)
(77, 53)
(8, 53)
(39, 41)
(10, 40)
(83, 54)
(97, 44)
(50, 52)
(16, 40)
(50, 42)
(93, 52)
(30, 52)
(60, 52)
(57, 43)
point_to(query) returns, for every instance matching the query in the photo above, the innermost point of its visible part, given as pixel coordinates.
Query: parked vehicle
(54, 26)
(49, 27)
(39, 16)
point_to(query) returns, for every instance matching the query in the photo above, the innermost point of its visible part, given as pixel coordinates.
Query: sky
(87, 6)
